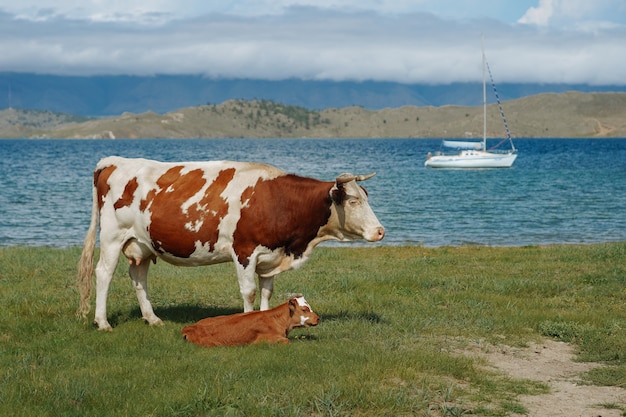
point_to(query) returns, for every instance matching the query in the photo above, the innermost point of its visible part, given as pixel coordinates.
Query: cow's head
(355, 217)
(301, 313)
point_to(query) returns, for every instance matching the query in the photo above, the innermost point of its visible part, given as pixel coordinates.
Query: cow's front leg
(248, 292)
(139, 276)
(267, 288)
(247, 285)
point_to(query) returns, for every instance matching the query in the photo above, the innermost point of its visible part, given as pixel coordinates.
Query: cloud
(576, 14)
(539, 15)
(409, 42)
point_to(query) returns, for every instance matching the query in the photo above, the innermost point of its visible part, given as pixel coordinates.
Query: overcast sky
(409, 41)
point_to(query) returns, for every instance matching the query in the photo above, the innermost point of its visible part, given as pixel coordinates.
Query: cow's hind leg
(109, 255)
(139, 275)
(267, 288)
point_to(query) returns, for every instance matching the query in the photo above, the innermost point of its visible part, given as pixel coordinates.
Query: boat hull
(472, 159)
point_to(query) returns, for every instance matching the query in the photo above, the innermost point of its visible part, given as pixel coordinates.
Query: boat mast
(484, 98)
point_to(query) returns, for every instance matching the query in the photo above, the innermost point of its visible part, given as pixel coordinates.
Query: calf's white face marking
(303, 303)
(305, 307)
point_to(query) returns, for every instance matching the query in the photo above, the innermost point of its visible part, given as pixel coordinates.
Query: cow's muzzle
(377, 235)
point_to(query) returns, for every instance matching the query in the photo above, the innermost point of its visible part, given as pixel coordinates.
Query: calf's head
(355, 217)
(301, 313)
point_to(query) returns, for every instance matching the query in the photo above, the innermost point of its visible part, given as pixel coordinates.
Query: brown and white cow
(201, 213)
(270, 326)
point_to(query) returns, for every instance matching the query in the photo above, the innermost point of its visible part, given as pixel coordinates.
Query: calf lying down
(271, 326)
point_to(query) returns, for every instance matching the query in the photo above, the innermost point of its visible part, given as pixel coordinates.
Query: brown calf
(271, 326)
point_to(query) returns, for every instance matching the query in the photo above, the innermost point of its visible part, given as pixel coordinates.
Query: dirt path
(553, 363)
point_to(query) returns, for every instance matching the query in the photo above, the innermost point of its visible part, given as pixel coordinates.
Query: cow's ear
(292, 306)
(338, 194)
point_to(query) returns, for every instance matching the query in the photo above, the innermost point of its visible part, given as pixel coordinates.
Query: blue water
(558, 191)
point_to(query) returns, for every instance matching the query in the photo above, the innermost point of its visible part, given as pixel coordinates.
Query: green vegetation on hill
(268, 114)
(542, 116)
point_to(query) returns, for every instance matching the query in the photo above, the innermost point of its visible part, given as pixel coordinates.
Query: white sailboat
(467, 154)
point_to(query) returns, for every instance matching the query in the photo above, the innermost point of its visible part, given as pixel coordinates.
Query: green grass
(392, 320)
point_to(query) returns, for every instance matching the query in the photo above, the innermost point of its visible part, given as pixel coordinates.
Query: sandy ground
(553, 363)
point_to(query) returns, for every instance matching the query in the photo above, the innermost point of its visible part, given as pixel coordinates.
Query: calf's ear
(292, 306)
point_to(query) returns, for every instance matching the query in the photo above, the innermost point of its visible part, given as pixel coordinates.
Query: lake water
(558, 191)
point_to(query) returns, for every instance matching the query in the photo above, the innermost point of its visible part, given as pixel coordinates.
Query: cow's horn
(344, 178)
(364, 177)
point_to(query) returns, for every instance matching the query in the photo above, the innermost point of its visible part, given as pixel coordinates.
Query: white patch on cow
(194, 226)
(195, 200)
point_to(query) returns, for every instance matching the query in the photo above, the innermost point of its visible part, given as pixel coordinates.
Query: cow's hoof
(103, 326)
(153, 321)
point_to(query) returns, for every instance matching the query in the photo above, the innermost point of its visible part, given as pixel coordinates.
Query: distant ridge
(112, 95)
(571, 115)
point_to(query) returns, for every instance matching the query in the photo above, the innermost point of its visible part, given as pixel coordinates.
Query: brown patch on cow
(172, 175)
(284, 212)
(143, 204)
(175, 229)
(127, 197)
(245, 196)
(101, 182)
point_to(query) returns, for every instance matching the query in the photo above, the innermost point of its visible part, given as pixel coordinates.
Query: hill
(571, 114)
(16, 123)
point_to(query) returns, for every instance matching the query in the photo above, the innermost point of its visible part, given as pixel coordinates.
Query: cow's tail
(85, 265)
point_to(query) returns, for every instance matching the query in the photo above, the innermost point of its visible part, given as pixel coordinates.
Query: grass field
(393, 322)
